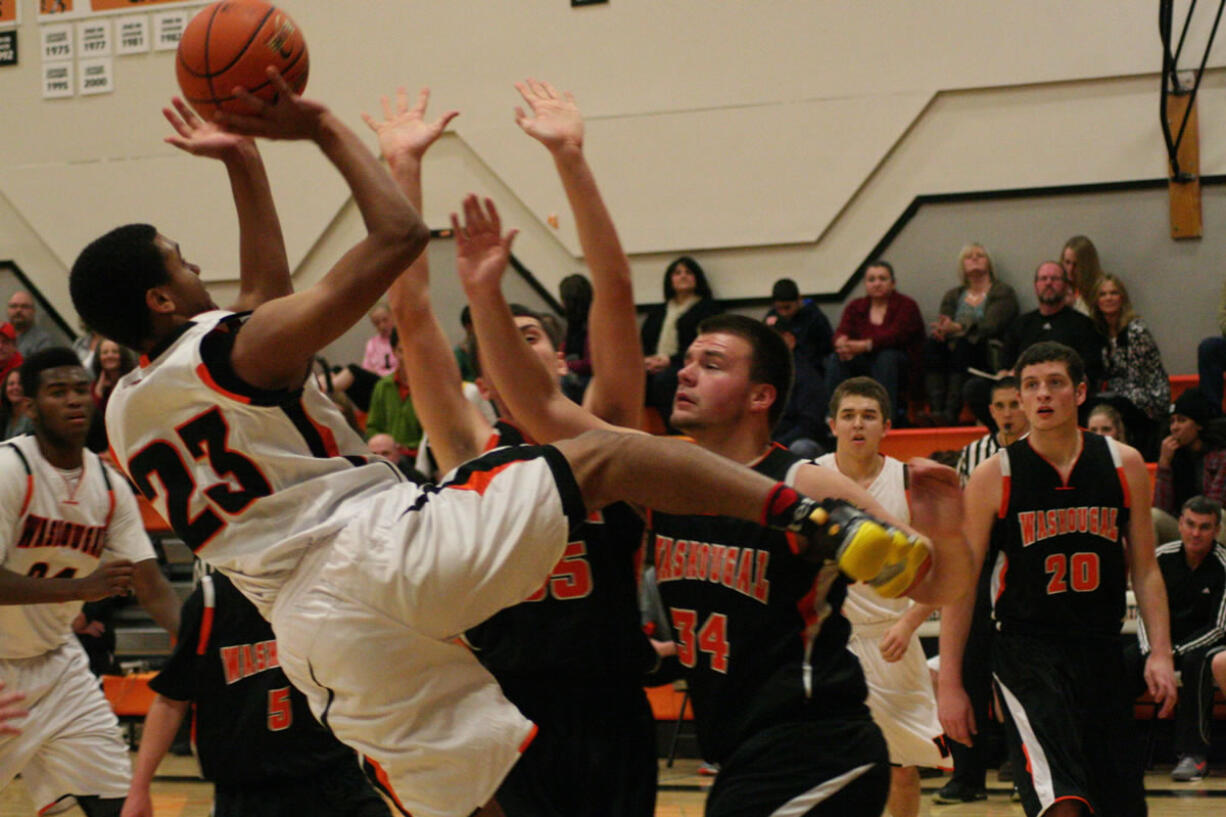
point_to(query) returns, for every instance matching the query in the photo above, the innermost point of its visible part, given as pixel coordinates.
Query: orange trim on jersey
(1029, 769)
(1089, 808)
(794, 543)
(523, 747)
(1001, 579)
(1119, 470)
(325, 434)
(1005, 487)
(202, 372)
(206, 631)
(143, 361)
(480, 480)
(385, 784)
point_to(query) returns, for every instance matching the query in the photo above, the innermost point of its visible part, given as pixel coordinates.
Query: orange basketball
(231, 44)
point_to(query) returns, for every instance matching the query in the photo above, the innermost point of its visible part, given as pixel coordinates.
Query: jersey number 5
(280, 711)
(571, 577)
(1079, 570)
(203, 436)
(712, 638)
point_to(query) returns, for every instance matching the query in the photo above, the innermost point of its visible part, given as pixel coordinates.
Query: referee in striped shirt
(1006, 409)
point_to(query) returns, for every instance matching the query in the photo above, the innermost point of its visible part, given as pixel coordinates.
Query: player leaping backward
(365, 577)
(778, 699)
(573, 656)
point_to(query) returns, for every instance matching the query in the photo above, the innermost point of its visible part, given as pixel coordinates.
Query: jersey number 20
(203, 436)
(1080, 571)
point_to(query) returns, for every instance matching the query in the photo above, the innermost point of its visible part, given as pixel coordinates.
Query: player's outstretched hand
(112, 578)
(936, 499)
(200, 138)
(1160, 679)
(289, 117)
(138, 803)
(10, 710)
(555, 121)
(482, 251)
(957, 716)
(404, 132)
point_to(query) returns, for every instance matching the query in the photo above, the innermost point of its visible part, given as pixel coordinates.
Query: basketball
(230, 45)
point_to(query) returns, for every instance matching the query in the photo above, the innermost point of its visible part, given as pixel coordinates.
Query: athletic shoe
(708, 769)
(1015, 795)
(1190, 767)
(1005, 773)
(955, 791)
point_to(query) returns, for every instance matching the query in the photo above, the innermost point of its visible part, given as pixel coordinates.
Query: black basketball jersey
(1061, 569)
(759, 630)
(583, 622)
(250, 727)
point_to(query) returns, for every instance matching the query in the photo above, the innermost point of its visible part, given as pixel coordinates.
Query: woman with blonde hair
(971, 314)
(1079, 258)
(1134, 380)
(1107, 422)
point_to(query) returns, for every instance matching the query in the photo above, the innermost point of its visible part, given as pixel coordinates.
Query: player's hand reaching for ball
(555, 121)
(404, 132)
(289, 117)
(113, 578)
(201, 138)
(482, 250)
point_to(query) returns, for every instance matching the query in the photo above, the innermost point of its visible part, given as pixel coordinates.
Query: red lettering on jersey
(762, 587)
(38, 532)
(1083, 514)
(1111, 530)
(1025, 519)
(679, 551)
(691, 563)
(716, 562)
(744, 573)
(1092, 520)
(703, 552)
(271, 650)
(728, 577)
(229, 663)
(662, 545)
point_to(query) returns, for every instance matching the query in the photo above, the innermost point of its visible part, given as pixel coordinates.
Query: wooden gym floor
(178, 792)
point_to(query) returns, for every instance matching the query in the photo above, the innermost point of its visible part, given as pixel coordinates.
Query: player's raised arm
(615, 393)
(307, 321)
(1148, 584)
(263, 266)
(528, 388)
(456, 429)
(982, 499)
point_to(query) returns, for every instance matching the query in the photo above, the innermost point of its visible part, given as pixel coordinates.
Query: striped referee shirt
(1197, 599)
(974, 453)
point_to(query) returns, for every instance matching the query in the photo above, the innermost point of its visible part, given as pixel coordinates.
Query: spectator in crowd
(257, 740)
(879, 336)
(671, 327)
(1105, 420)
(1079, 260)
(1054, 320)
(86, 346)
(575, 292)
(10, 358)
(802, 425)
(803, 319)
(1191, 462)
(1009, 420)
(1211, 357)
(1194, 571)
(30, 338)
(13, 418)
(384, 445)
(391, 406)
(973, 314)
(380, 356)
(1134, 379)
(111, 362)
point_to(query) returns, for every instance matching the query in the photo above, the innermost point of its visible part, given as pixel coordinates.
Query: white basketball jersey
(248, 478)
(863, 606)
(53, 527)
